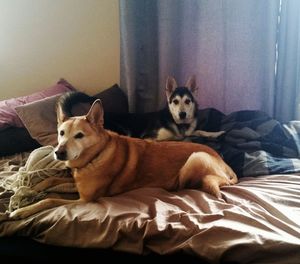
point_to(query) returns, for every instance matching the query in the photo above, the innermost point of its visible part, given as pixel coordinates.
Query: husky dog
(89, 150)
(177, 121)
(181, 118)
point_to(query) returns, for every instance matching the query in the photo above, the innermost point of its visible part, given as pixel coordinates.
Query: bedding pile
(254, 144)
(19, 185)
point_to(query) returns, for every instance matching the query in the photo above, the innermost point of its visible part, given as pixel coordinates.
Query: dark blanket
(254, 143)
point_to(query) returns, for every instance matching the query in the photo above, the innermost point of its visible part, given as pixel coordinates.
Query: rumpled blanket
(254, 144)
(16, 186)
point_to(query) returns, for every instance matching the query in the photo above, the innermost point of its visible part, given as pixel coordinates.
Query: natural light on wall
(43, 40)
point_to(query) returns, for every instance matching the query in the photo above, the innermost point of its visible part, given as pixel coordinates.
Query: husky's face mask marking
(182, 107)
(181, 101)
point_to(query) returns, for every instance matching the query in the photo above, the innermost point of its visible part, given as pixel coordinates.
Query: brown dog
(105, 164)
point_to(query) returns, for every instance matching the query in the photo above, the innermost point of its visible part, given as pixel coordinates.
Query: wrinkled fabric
(228, 45)
(256, 221)
(18, 184)
(254, 143)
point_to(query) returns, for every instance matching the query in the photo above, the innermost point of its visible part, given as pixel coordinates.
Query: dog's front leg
(201, 133)
(52, 181)
(164, 134)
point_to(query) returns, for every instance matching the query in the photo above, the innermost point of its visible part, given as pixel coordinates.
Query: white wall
(43, 40)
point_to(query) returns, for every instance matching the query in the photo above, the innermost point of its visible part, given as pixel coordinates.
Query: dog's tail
(68, 100)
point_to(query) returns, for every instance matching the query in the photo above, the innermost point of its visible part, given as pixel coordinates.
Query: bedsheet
(255, 221)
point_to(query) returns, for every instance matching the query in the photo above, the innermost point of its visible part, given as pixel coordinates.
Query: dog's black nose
(182, 115)
(61, 154)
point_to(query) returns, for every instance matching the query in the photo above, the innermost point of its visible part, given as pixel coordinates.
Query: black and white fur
(177, 121)
(183, 110)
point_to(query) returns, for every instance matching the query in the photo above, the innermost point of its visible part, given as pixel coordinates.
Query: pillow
(113, 100)
(8, 115)
(40, 117)
(14, 140)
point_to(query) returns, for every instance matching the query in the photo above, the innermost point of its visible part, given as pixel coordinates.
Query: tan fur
(105, 163)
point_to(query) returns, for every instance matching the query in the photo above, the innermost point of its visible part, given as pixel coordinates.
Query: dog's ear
(95, 114)
(191, 84)
(61, 116)
(170, 86)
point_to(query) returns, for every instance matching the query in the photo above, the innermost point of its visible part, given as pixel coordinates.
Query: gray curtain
(287, 102)
(229, 45)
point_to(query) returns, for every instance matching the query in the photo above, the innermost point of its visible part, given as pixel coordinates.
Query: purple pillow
(8, 115)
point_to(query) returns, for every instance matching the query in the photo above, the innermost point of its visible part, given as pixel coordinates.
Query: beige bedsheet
(257, 221)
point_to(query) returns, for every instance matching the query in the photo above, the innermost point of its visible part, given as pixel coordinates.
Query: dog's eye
(79, 135)
(61, 133)
(187, 101)
(175, 101)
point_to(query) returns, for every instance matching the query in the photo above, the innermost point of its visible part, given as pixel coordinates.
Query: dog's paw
(201, 133)
(14, 215)
(19, 214)
(219, 133)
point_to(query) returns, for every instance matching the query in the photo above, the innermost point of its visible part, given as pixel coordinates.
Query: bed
(256, 221)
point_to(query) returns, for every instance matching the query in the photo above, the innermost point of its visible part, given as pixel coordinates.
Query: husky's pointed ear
(95, 114)
(60, 115)
(191, 84)
(170, 86)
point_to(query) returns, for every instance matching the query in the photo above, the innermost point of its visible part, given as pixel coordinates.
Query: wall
(43, 40)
